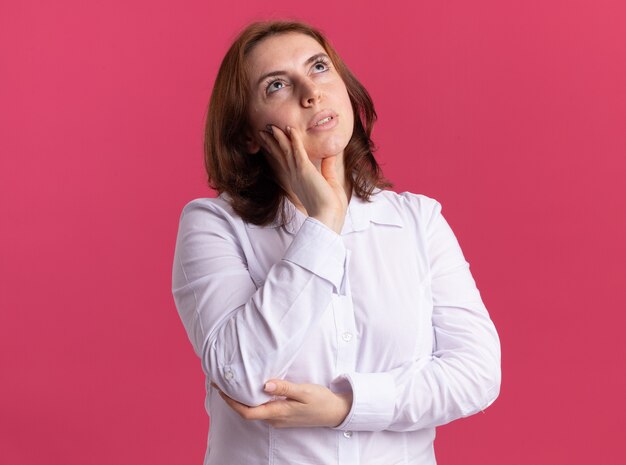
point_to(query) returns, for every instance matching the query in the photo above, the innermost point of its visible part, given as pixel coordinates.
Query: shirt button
(347, 434)
(228, 375)
(347, 336)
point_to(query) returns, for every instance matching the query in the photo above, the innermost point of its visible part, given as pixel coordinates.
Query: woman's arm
(460, 377)
(245, 335)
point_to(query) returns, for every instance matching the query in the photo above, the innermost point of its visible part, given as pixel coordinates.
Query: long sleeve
(247, 333)
(460, 377)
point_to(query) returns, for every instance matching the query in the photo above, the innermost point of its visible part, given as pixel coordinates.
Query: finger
(273, 410)
(328, 168)
(299, 152)
(285, 145)
(280, 387)
(241, 409)
(278, 142)
(271, 146)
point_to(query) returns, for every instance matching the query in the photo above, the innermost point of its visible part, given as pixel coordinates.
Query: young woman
(337, 322)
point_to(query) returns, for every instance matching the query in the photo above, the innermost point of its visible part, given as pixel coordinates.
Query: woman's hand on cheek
(301, 405)
(322, 194)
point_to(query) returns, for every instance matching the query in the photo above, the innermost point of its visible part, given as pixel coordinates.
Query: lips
(322, 115)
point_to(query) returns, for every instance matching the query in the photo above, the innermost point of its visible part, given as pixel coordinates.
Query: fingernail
(270, 387)
(269, 128)
(289, 129)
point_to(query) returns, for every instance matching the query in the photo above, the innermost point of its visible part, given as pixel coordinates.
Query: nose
(311, 93)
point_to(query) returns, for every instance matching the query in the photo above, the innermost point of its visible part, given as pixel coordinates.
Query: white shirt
(388, 309)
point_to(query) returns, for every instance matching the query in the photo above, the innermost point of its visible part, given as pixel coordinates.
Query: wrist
(344, 406)
(332, 220)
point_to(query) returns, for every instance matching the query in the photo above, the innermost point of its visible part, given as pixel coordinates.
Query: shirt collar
(361, 213)
(378, 210)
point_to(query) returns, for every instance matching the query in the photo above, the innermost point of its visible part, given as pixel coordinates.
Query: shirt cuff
(373, 400)
(321, 251)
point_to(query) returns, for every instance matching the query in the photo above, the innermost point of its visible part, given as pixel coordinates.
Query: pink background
(512, 114)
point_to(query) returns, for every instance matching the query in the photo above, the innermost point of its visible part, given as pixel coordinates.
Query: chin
(327, 150)
(322, 156)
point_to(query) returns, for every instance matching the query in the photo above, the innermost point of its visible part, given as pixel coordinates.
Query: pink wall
(512, 114)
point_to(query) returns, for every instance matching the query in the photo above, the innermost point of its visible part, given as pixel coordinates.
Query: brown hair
(249, 181)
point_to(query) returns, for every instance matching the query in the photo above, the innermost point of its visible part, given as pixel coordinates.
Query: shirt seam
(193, 291)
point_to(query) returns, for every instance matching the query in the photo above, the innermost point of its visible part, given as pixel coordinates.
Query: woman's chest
(389, 295)
(383, 318)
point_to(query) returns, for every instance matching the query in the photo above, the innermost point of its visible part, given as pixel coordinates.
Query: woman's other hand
(322, 193)
(300, 405)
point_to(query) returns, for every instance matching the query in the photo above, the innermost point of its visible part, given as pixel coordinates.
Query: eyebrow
(310, 60)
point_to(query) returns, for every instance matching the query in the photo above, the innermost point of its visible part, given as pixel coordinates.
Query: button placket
(345, 327)
(345, 333)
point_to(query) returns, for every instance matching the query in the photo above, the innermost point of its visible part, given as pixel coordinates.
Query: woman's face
(294, 83)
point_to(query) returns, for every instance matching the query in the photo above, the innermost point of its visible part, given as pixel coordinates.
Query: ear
(252, 145)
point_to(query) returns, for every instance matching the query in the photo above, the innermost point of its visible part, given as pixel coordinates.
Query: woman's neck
(340, 175)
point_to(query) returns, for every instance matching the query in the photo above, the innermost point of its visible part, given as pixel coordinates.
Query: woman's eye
(320, 66)
(274, 86)
(278, 84)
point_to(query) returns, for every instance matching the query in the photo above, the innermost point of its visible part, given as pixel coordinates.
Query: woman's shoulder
(408, 203)
(217, 204)
(210, 211)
